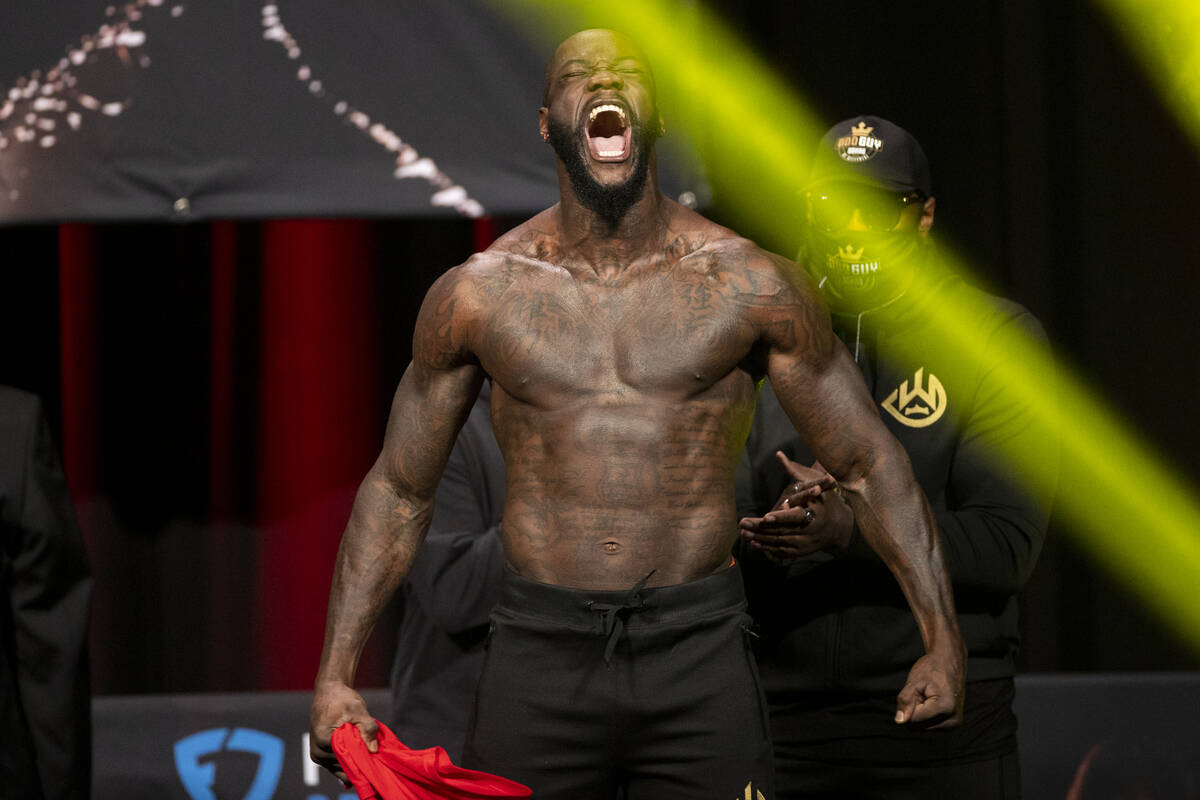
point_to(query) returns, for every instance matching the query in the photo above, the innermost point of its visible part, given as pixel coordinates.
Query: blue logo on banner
(198, 778)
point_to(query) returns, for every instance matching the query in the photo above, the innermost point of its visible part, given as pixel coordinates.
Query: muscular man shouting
(625, 337)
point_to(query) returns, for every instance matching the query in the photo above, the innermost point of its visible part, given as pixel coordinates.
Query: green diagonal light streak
(1124, 503)
(1165, 37)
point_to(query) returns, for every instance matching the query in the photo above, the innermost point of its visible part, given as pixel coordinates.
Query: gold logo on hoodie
(751, 793)
(921, 406)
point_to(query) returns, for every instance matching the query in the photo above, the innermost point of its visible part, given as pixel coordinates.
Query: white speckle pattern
(409, 163)
(42, 106)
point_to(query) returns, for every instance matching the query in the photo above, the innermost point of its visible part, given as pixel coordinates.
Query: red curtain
(77, 314)
(316, 426)
(80, 405)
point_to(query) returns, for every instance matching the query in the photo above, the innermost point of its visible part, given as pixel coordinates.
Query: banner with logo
(1135, 732)
(200, 109)
(210, 747)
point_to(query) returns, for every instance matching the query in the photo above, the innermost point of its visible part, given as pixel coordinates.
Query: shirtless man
(625, 337)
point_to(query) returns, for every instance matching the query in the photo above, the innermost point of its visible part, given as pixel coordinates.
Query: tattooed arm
(394, 505)
(824, 395)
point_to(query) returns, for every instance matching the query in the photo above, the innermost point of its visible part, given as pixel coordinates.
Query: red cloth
(397, 772)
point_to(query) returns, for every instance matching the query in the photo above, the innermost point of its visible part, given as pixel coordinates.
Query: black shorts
(650, 693)
(840, 745)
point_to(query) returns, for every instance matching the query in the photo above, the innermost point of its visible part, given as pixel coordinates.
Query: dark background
(219, 387)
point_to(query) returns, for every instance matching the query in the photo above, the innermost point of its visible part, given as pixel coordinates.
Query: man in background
(836, 634)
(45, 711)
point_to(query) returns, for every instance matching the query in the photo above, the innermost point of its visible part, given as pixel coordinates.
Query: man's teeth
(611, 144)
(607, 107)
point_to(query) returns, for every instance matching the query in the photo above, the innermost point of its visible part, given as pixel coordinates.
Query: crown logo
(849, 253)
(861, 129)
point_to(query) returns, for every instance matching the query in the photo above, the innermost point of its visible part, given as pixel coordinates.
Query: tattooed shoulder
(777, 298)
(683, 245)
(755, 277)
(536, 238)
(454, 305)
(488, 274)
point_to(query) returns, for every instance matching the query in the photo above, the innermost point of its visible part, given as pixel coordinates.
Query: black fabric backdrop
(1046, 141)
(203, 109)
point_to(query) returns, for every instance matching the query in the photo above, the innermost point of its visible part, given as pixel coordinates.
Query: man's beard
(609, 202)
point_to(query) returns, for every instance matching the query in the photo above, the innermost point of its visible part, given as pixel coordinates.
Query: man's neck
(609, 246)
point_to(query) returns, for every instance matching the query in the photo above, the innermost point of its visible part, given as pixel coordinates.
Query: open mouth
(608, 133)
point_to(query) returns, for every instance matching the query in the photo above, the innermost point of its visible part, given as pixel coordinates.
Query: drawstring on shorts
(613, 615)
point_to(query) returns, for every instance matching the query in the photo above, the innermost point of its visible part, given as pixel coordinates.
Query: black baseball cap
(871, 150)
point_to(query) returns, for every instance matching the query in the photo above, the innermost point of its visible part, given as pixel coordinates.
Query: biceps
(832, 410)
(428, 409)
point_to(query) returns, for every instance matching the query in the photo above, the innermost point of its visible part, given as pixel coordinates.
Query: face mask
(859, 271)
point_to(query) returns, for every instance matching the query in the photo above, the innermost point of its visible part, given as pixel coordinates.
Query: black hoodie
(839, 622)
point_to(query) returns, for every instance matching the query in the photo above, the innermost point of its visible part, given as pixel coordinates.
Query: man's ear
(543, 125)
(662, 126)
(926, 221)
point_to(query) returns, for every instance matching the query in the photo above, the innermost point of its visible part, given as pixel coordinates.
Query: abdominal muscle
(598, 498)
(635, 544)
